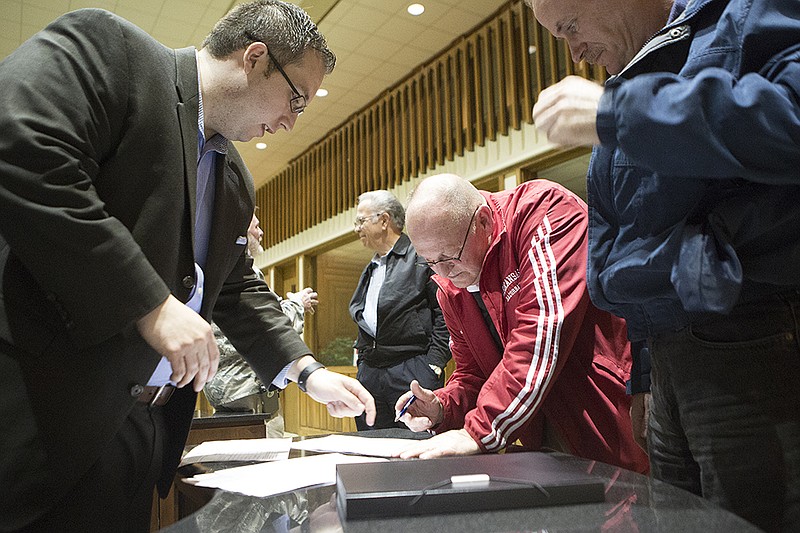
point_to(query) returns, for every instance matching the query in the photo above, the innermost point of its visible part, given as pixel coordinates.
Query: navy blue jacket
(694, 192)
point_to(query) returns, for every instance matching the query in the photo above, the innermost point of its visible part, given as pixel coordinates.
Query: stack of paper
(239, 450)
(376, 447)
(267, 479)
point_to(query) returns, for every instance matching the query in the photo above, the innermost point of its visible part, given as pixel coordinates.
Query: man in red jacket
(535, 360)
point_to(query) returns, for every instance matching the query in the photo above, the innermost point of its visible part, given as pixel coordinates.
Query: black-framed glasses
(298, 103)
(359, 221)
(431, 264)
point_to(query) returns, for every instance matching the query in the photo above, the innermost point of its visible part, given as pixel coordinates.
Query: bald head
(450, 226)
(443, 201)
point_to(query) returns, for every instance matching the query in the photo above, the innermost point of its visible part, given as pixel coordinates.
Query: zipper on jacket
(676, 34)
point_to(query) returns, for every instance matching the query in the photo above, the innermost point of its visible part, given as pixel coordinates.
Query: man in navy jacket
(694, 200)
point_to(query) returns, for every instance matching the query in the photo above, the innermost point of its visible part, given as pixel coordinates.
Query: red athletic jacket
(563, 359)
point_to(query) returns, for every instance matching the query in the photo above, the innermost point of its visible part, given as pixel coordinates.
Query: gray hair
(286, 29)
(385, 202)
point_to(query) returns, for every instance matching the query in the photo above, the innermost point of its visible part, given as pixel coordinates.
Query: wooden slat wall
(304, 416)
(482, 86)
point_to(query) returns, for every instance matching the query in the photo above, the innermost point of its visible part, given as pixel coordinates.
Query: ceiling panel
(377, 43)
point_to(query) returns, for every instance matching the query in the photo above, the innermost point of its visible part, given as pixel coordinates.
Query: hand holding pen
(403, 411)
(419, 408)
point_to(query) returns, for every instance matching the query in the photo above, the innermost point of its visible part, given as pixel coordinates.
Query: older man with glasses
(401, 330)
(694, 199)
(535, 360)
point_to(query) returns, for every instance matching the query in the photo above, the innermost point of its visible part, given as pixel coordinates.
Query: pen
(405, 407)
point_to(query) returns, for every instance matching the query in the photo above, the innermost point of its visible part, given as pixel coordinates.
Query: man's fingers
(367, 402)
(416, 423)
(203, 368)
(343, 408)
(424, 450)
(353, 399)
(342, 395)
(197, 364)
(208, 365)
(434, 453)
(401, 402)
(214, 351)
(412, 452)
(185, 339)
(178, 369)
(420, 392)
(191, 365)
(337, 409)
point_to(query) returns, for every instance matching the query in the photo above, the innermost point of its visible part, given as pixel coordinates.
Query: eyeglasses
(359, 221)
(431, 264)
(298, 103)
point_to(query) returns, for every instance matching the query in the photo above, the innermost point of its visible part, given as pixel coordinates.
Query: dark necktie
(205, 207)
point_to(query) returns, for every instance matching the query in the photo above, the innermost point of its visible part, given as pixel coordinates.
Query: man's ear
(254, 53)
(485, 219)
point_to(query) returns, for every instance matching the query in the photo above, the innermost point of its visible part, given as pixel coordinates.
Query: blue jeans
(725, 411)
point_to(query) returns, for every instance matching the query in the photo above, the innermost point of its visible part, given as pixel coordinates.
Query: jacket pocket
(707, 274)
(30, 319)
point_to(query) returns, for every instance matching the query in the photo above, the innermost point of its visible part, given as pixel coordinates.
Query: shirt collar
(395, 249)
(678, 9)
(380, 259)
(217, 142)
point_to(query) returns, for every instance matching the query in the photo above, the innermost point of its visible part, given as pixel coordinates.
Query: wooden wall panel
(522, 49)
(423, 132)
(482, 86)
(468, 93)
(402, 130)
(479, 82)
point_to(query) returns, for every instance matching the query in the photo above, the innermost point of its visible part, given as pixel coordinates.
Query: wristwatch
(303, 377)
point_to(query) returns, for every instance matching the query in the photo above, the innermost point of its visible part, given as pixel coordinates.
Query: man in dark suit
(123, 221)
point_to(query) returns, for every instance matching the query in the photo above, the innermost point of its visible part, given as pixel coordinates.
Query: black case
(418, 487)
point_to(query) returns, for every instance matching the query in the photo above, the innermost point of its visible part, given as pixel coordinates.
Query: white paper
(239, 450)
(376, 447)
(267, 479)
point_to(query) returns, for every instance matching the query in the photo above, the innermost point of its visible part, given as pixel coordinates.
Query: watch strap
(307, 371)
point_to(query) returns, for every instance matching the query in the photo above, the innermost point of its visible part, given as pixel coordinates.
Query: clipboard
(461, 484)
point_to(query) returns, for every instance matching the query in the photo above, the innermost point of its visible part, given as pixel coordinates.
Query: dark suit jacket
(98, 164)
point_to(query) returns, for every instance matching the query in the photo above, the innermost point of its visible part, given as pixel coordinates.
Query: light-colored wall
(503, 153)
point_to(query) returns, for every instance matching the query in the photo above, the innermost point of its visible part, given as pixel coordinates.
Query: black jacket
(410, 322)
(98, 176)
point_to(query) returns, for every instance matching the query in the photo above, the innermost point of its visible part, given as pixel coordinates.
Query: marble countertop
(633, 503)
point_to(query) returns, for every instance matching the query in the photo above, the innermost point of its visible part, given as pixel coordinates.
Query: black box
(492, 482)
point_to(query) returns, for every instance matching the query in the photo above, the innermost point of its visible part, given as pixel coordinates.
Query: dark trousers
(387, 385)
(725, 411)
(116, 493)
